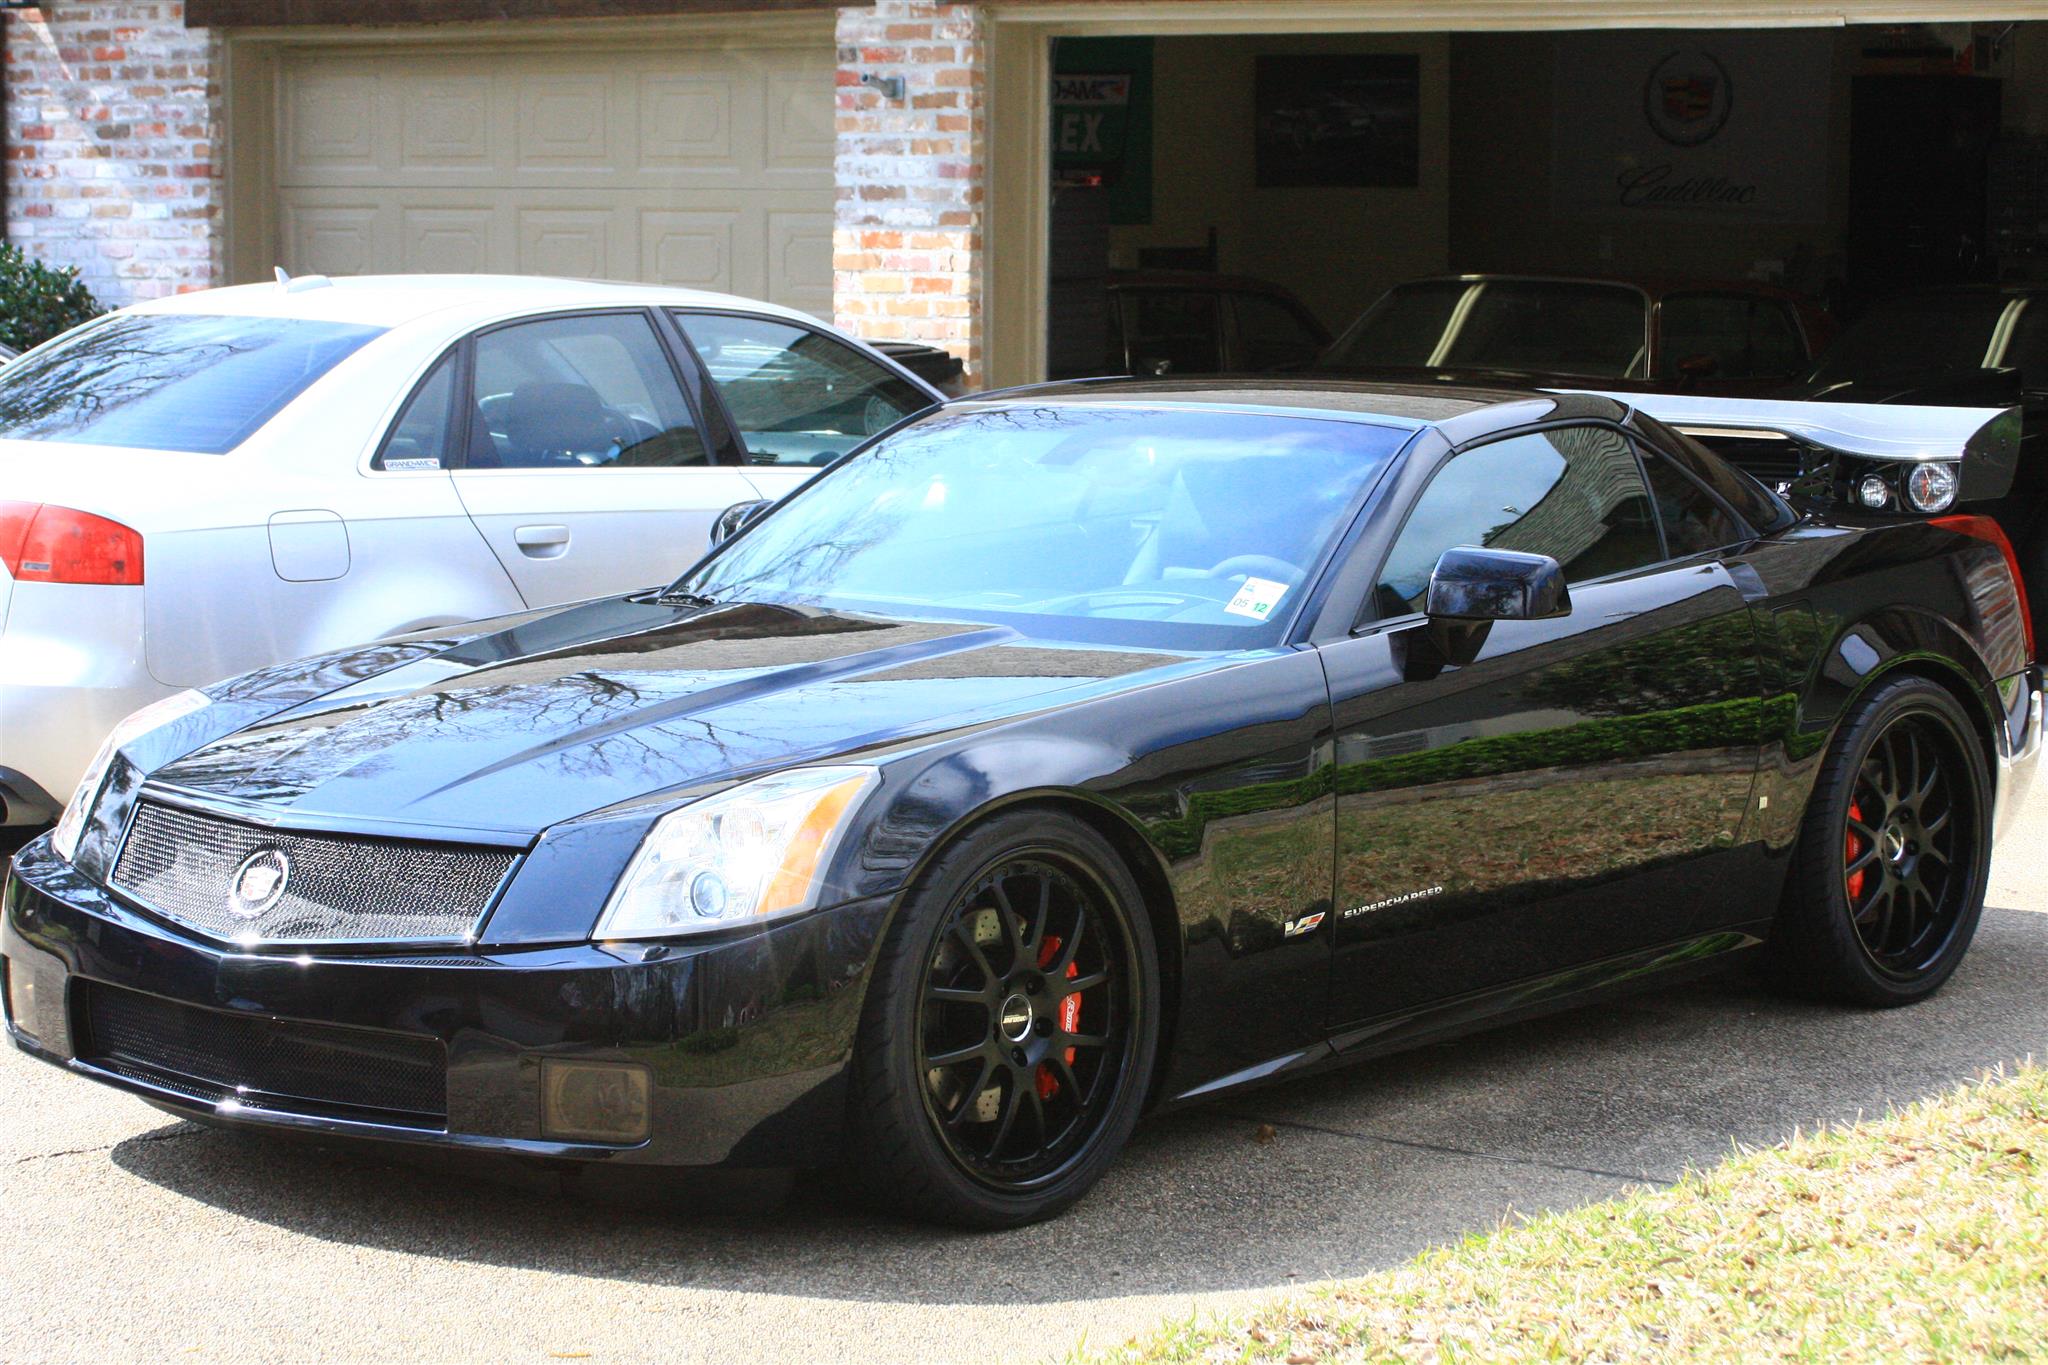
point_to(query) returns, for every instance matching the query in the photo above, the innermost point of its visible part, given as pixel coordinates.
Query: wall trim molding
(287, 14)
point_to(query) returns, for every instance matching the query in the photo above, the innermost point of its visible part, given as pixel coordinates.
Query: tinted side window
(1745, 338)
(1172, 331)
(1755, 504)
(1270, 335)
(419, 438)
(590, 392)
(2027, 352)
(1575, 494)
(798, 396)
(1694, 520)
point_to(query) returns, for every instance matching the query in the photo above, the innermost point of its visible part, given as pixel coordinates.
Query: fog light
(594, 1101)
(1931, 487)
(21, 998)
(1874, 492)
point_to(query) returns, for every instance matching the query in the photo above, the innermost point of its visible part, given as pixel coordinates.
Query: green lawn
(1917, 1236)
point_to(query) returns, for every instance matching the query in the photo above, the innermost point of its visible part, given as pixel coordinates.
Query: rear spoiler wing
(1983, 442)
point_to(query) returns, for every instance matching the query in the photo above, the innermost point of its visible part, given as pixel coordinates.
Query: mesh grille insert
(277, 1064)
(326, 888)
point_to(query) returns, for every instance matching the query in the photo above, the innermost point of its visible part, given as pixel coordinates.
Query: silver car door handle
(541, 542)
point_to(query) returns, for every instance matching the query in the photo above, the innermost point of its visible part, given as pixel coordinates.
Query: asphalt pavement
(126, 1234)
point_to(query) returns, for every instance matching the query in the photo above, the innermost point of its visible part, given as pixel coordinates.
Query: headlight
(1874, 492)
(748, 854)
(153, 716)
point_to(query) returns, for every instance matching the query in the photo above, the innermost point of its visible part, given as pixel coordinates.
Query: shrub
(39, 301)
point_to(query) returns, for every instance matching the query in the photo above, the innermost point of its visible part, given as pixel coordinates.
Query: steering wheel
(1257, 566)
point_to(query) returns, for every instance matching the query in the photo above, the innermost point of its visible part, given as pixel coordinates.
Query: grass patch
(1914, 1237)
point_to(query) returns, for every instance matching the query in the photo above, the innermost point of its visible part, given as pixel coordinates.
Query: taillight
(44, 543)
(1985, 529)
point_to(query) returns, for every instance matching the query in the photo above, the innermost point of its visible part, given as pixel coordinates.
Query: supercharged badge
(1355, 911)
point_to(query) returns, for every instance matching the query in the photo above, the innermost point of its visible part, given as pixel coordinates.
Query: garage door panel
(695, 166)
(565, 123)
(447, 241)
(799, 126)
(329, 123)
(329, 239)
(447, 126)
(799, 257)
(689, 250)
(572, 242)
(686, 123)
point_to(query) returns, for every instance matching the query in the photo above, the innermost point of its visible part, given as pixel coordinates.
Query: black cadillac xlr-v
(1063, 752)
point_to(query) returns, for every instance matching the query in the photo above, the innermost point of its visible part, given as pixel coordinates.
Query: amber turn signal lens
(595, 1101)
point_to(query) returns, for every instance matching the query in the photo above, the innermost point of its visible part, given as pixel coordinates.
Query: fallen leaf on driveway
(1264, 1133)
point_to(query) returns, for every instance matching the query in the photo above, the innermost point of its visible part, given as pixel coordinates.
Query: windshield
(1538, 326)
(169, 381)
(1179, 529)
(1914, 334)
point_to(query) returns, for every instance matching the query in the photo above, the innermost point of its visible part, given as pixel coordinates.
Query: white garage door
(709, 167)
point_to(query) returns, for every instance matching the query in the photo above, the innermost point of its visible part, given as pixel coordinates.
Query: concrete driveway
(126, 1234)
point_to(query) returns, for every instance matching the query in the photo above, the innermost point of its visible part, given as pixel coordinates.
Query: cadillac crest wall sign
(1687, 97)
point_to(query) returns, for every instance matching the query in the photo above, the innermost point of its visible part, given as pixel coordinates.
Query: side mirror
(737, 518)
(1471, 584)
(1152, 367)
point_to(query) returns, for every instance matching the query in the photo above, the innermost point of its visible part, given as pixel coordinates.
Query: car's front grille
(201, 869)
(280, 1064)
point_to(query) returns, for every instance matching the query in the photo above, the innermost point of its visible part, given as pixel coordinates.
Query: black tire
(1887, 882)
(958, 964)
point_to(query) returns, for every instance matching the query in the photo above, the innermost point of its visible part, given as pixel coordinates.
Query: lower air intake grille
(248, 884)
(279, 1064)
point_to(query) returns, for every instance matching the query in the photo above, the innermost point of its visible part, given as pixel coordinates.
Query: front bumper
(2019, 752)
(746, 1040)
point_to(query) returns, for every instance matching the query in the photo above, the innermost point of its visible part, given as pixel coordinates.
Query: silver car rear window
(169, 381)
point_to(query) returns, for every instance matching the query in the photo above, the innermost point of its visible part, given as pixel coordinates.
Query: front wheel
(1010, 1029)
(1888, 879)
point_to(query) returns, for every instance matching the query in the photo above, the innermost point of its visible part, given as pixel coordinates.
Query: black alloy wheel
(1905, 822)
(1026, 1018)
(1888, 879)
(1008, 1035)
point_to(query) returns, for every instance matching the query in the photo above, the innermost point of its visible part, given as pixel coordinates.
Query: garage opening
(1703, 209)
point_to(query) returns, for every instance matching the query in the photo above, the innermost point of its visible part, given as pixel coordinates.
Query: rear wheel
(1010, 1027)
(1888, 880)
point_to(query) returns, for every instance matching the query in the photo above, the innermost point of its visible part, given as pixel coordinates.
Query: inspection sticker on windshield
(1257, 598)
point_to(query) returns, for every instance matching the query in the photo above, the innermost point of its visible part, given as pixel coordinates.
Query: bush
(37, 301)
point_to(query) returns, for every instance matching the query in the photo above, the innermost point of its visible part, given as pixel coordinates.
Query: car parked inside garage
(1185, 322)
(1726, 338)
(194, 487)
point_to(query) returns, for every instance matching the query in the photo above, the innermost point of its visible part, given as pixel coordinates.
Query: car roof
(394, 300)
(1471, 411)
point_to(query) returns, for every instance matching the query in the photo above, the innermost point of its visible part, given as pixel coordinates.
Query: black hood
(573, 711)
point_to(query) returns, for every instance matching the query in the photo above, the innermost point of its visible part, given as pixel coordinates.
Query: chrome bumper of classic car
(2019, 755)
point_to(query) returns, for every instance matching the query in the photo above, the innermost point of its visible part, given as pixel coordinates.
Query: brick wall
(113, 114)
(908, 229)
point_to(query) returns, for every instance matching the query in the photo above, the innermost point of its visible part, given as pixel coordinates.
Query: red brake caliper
(1070, 1015)
(1852, 848)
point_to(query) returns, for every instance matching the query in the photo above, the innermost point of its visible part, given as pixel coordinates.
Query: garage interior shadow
(1362, 1168)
